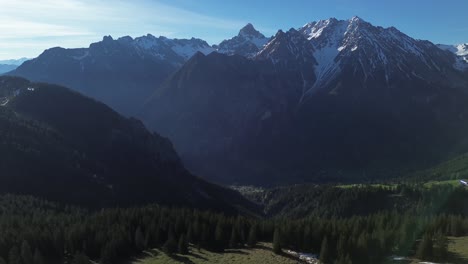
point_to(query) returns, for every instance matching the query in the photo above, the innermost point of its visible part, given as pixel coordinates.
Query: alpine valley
(337, 142)
(333, 100)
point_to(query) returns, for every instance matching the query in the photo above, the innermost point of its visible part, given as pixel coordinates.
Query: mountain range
(9, 65)
(63, 146)
(124, 72)
(331, 100)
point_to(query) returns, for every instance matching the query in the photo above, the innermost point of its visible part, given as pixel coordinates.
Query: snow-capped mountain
(120, 72)
(247, 43)
(461, 50)
(160, 47)
(288, 46)
(332, 94)
(358, 47)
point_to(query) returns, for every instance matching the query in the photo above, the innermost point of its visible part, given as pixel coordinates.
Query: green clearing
(458, 248)
(261, 254)
(383, 186)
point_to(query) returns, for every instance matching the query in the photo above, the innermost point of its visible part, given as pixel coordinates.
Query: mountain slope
(333, 100)
(7, 68)
(61, 145)
(121, 73)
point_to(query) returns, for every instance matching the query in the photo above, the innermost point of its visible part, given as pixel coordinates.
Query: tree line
(35, 231)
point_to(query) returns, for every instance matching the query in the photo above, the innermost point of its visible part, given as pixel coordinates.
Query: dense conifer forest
(37, 231)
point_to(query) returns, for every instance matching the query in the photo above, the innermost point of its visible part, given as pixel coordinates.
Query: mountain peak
(249, 30)
(356, 19)
(247, 43)
(107, 38)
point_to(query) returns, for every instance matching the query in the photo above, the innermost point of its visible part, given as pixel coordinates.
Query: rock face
(58, 144)
(331, 100)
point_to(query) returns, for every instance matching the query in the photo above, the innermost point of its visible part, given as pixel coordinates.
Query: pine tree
(170, 247)
(190, 236)
(424, 251)
(80, 259)
(2, 261)
(26, 253)
(252, 240)
(277, 241)
(14, 256)
(183, 245)
(108, 254)
(38, 258)
(220, 237)
(325, 252)
(440, 247)
(139, 239)
(234, 240)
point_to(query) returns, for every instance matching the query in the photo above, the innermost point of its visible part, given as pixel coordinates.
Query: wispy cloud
(58, 20)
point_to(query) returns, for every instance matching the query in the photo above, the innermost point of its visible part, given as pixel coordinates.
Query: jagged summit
(107, 38)
(250, 31)
(247, 43)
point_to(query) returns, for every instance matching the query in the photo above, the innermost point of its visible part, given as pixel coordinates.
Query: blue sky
(27, 27)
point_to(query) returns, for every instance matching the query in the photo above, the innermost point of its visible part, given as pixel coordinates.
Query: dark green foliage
(440, 249)
(14, 256)
(277, 249)
(26, 253)
(308, 200)
(60, 232)
(140, 242)
(39, 259)
(2, 261)
(183, 245)
(80, 259)
(325, 251)
(252, 240)
(109, 253)
(425, 248)
(170, 247)
(234, 240)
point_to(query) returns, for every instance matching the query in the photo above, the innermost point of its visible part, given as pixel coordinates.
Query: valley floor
(262, 254)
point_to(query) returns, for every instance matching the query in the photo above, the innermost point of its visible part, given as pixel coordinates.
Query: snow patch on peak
(187, 49)
(315, 29)
(356, 19)
(461, 51)
(326, 36)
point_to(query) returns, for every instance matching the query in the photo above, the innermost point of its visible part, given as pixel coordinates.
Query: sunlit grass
(262, 254)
